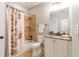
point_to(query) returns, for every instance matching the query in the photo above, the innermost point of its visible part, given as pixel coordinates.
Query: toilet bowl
(37, 48)
(36, 45)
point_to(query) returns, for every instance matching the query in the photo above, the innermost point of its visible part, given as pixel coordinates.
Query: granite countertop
(61, 37)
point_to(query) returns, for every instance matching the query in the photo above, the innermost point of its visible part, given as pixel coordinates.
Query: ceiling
(29, 5)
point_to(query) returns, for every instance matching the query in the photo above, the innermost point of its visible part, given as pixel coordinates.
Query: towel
(41, 28)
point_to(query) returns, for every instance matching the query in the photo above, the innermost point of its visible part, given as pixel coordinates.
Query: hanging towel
(41, 28)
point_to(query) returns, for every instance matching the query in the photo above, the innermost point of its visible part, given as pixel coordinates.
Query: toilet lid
(37, 44)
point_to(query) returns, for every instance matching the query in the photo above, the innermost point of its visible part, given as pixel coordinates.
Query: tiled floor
(26, 54)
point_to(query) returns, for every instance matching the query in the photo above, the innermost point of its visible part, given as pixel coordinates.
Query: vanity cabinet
(56, 48)
(61, 48)
(49, 47)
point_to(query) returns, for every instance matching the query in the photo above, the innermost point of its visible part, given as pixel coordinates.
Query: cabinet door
(49, 47)
(61, 48)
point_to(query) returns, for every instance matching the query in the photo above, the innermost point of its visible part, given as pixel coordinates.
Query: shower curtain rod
(15, 8)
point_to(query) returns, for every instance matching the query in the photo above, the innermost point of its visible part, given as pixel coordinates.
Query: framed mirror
(59, 21)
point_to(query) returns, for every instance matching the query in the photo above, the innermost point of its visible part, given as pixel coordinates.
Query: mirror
(59, 21)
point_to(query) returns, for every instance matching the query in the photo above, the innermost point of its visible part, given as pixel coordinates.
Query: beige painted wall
(42, 14)
(2, 29)
(75, 30)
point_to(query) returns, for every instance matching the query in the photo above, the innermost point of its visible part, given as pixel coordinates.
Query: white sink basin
(36, 45)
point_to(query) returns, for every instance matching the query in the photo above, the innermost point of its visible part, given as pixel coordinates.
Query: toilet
(36, 47)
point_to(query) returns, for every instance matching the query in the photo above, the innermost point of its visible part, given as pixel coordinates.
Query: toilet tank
(40, 38)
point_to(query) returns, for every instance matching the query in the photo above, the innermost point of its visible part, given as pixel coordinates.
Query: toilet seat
(36, 45)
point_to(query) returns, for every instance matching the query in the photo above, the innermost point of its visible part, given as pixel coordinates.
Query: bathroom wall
(42, 14)
(2, 29)
(75, 29)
